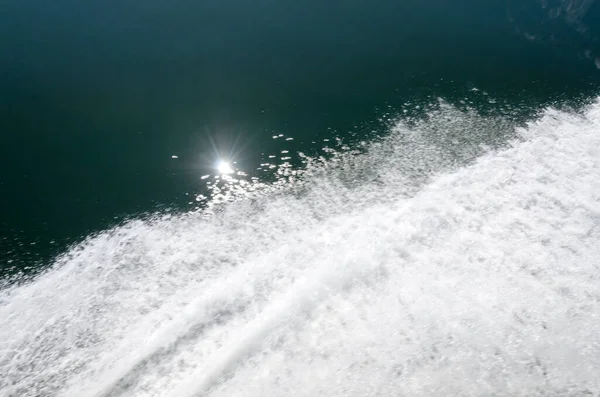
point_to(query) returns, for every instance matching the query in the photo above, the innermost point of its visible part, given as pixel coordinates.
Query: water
(471, 273)
(96, 98)
(234, 198)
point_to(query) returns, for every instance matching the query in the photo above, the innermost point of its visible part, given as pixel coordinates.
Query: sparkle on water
(224, 167)
(456, 256)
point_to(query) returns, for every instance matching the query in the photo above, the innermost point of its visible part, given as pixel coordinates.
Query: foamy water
(446, 260)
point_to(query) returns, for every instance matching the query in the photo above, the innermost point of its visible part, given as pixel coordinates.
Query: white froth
(383, 276)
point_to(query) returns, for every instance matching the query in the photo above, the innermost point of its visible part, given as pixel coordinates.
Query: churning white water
(429, 265)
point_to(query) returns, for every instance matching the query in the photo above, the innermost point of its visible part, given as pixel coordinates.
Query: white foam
(407, 270)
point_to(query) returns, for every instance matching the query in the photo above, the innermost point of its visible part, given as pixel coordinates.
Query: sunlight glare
(224, 167)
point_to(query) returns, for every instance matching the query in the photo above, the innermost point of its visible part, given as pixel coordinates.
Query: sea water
(455, 255)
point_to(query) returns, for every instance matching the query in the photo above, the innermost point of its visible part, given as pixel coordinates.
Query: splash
(455, 256)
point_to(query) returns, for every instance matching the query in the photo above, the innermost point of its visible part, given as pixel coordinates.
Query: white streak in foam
(301, 297)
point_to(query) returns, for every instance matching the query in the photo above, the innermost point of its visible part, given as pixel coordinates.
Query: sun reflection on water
(224, 167)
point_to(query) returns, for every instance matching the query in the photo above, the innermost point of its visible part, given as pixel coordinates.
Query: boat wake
(455, 256)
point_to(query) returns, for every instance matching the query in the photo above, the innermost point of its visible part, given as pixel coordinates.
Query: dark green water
(96, 97)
